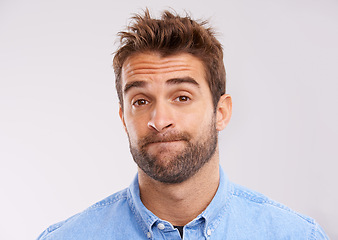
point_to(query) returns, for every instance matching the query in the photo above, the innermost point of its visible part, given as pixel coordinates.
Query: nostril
(169, 125)
(159, 127)
(161, 118)
(152, 126)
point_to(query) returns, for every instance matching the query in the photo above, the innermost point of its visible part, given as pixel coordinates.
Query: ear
(223, 112)
(122, 117)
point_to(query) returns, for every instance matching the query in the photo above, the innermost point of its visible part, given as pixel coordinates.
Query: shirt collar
(144, 217)
(212, 214)
(215, 211)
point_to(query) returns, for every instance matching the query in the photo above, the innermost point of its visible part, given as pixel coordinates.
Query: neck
(182, 202)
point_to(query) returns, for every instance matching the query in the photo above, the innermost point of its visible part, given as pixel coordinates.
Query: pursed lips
(163, 142)
(165, 139)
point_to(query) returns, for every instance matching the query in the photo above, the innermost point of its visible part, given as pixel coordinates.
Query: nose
(161, 118)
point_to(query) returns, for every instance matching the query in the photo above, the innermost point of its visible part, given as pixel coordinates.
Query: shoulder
(94, 216)
(252, 199)
(257, 210)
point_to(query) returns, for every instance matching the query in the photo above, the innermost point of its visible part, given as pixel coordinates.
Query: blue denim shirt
(234, 213)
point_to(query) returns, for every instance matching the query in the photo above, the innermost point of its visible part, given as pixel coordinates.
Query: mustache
(167, 137)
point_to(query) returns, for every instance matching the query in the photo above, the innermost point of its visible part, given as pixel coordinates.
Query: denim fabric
(234, 213)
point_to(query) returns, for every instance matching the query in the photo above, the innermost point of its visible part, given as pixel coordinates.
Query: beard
(175, 167)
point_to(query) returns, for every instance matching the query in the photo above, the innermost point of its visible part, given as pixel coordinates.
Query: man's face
(168, 115)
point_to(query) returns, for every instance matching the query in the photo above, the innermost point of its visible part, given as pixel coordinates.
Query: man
(170, 80)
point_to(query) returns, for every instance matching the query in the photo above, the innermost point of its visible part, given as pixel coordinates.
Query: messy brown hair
(170, 35)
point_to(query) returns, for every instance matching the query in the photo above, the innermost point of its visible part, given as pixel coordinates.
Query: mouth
(165, 140)
(164, 144)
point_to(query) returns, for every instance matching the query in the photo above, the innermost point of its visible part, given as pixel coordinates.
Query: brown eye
(140, 102)
(182, 99)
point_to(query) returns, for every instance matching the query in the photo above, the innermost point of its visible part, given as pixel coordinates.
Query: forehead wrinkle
(152, 64)
(156, 70)
(149, 59)
(148, 66)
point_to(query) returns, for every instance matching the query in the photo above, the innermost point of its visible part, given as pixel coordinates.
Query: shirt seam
(265, 200)
(313, 232)
(137, 215)
(117, 198)
(223, 211)
(56, 226)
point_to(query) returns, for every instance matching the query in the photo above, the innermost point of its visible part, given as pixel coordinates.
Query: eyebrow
(172, 81)
(134, 84)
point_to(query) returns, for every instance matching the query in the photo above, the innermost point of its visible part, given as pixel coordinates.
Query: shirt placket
(164, 230)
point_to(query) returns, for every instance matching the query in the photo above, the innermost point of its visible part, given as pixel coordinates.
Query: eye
(182, 99)
(140, 102)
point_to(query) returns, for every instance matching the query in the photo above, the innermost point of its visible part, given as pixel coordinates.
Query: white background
(62, 147)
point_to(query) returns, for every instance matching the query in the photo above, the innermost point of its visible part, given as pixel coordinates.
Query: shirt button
(209, 232)
(148, 235)
(160, 226)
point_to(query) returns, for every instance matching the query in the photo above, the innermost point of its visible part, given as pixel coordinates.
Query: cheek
(136, 127)
(197, 118)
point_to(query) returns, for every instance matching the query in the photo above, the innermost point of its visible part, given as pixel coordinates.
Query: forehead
(149, 66)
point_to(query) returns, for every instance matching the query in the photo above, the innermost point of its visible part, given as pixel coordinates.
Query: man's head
(170, 35)
(167, 95)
